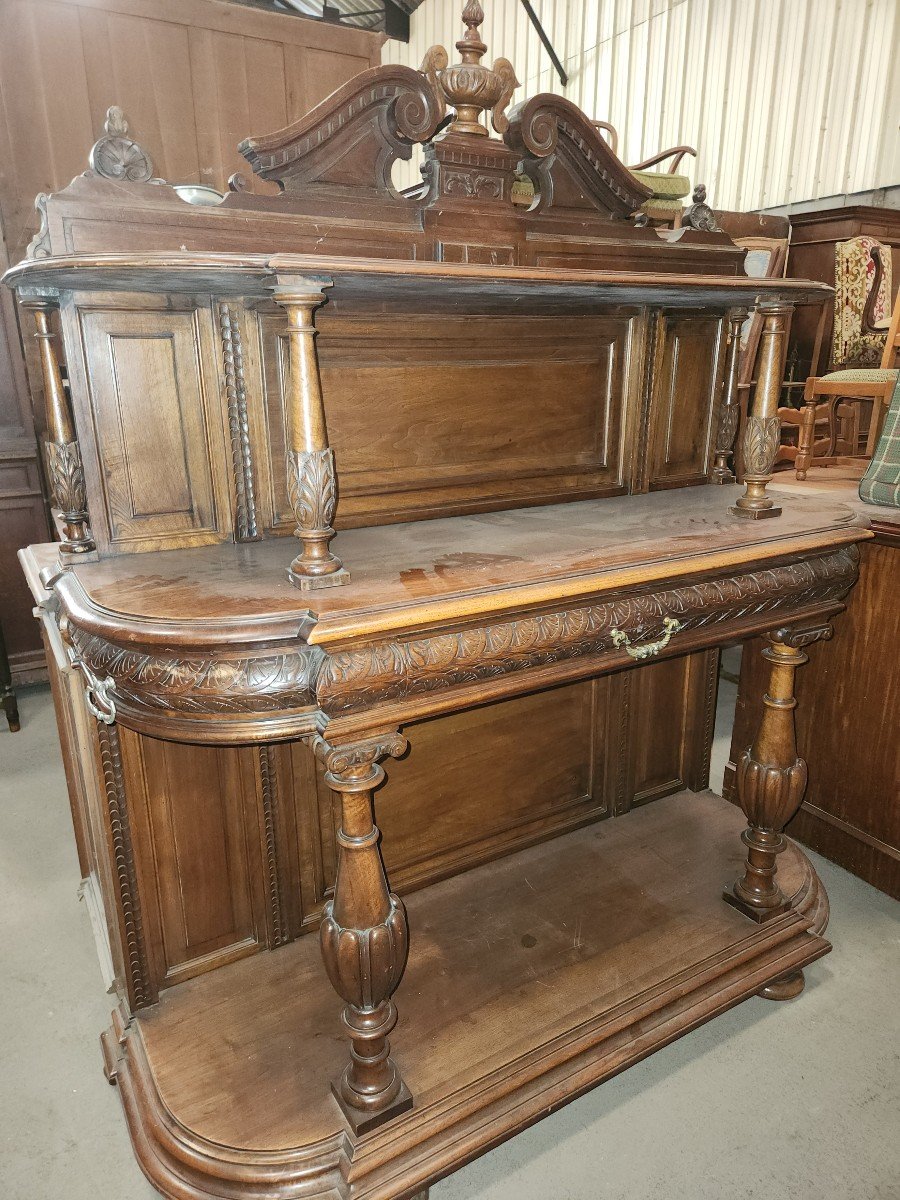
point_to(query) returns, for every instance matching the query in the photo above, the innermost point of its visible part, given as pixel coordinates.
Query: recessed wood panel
(201, 885)
(157, 442)
(461, 414)
(686, 375)
(662, 721)
(479, 784)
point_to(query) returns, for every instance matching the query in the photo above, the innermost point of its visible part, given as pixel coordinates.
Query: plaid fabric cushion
(881, 482)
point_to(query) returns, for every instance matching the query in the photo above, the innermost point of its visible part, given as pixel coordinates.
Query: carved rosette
(699, 215)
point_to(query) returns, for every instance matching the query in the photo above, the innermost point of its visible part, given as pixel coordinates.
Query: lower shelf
(529, 981)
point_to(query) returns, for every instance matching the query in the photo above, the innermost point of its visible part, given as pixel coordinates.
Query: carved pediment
(570, 163)
(352, 139)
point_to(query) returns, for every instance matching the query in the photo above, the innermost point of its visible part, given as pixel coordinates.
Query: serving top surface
(408, 576)
(397, 280)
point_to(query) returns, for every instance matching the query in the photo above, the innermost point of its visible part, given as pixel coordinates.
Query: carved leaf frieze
(203, 685)
(393, 670)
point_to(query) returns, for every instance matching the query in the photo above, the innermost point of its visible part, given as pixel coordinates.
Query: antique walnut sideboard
(519, 424)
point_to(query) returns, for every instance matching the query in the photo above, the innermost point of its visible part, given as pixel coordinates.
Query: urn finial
(470, 87)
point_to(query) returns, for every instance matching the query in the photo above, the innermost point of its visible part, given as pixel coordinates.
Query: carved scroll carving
(392, 670)
(357, 133)
(39, 246)
(117, 156)
(138, 982)
(238, 428)
(571, 165)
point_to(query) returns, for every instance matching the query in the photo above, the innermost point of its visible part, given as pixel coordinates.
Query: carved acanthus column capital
(763, 430)
(312, 486)
(65, 470)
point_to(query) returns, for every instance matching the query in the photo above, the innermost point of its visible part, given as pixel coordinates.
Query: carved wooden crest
(570, 163)
(116, 156)
(350, 141)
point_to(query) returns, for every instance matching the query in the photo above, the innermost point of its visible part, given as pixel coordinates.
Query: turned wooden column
(65, 471)
(310, 460)
(364, 937)
(771, 777)
(729, 410)
(763, 430)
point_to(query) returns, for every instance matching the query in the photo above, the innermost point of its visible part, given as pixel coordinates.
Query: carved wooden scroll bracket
(364, 935)
(65, 470)
(570, 164)
(356, 134)
(312, 484)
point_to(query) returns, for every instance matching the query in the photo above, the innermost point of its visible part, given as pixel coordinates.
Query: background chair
(844, 392)
(669, 188)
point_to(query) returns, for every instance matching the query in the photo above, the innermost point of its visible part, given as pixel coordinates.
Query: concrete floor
(799, 1100)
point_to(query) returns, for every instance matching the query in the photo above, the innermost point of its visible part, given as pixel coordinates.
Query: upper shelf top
(377, 279)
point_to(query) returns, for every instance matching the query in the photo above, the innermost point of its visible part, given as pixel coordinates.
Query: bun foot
(786, 988)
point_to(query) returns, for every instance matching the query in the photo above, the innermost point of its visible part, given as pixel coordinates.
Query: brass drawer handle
(671, 626)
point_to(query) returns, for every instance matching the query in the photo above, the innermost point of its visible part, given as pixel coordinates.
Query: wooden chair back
(891, 356)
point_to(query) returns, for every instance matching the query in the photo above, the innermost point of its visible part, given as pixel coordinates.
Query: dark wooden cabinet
(417, 509)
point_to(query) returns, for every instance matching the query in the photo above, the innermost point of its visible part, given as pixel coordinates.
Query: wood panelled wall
(194, 77)
(785, 101)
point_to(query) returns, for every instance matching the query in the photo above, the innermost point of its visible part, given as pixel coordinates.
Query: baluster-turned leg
(771, 777)
(310, 460)
(762, 434)
(64, 466)
(364, 937)
(806, 435)
(729, 410)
